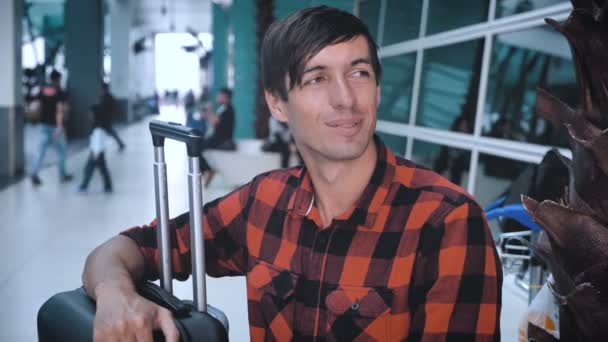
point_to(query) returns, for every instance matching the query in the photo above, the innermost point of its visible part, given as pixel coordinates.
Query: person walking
(96, 160)
(106, 108)
(52, 114)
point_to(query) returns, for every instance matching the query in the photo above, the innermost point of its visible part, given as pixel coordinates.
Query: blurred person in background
(53, 106)
(104, 113)
(96, 160)
(222, 122)
(194, 118)
(102, 126)
(280, 140)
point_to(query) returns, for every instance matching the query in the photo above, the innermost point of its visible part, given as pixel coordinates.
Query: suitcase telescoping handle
(193, 139)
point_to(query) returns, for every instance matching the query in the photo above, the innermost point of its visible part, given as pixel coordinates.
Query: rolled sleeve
(224, 233)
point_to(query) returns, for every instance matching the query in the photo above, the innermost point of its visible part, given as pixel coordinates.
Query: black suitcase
(69, 316)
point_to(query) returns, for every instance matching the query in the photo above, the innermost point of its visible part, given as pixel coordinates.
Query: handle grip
(192, 137)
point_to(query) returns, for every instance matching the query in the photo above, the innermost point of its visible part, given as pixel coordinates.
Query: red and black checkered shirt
(412, 260)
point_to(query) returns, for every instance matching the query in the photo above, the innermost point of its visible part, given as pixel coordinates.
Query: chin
(346, 151)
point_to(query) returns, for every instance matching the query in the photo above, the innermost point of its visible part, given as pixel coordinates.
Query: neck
(339, 184)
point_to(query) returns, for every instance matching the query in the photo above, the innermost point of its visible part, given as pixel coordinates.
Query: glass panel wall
(396, 87)
(396, 143)
(452, 163)
(369, 12)
(519, 65)
(402, 21)
(450, 83)
(495, 176)
(447, 15)
(509, 7)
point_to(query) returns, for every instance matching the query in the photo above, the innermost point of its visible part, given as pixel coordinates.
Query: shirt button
(355, 306)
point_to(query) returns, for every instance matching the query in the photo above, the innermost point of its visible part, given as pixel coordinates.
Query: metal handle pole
(197, 235)
(162, 217)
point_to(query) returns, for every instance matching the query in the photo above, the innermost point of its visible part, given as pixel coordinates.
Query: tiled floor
(47, 232)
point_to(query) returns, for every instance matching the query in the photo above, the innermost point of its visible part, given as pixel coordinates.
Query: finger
(102, 332)
(144, 334)
(106, 336)
(166, 324)
(123, 333)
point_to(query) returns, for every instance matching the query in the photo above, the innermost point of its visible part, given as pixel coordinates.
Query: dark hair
(55, 75)
(292, 41)
(226, 91)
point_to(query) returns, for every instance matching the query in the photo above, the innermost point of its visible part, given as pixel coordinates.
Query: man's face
(332, 115)
(222, 98)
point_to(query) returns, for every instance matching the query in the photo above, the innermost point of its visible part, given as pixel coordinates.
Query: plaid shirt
(412, 260)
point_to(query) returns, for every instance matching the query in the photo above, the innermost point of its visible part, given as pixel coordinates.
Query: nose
(341, 94)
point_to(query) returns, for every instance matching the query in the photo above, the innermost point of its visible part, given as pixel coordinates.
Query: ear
(276, 106)
(378, 96)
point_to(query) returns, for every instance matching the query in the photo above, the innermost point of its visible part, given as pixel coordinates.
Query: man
(221, 138)
(103, 113)
(52, 108)
(279, 140)
(357, 244)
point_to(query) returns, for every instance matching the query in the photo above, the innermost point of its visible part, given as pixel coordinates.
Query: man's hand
(123, 315)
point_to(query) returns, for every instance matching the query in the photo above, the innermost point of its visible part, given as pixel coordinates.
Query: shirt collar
(365, 210)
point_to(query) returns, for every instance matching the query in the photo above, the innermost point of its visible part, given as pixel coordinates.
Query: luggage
(69, 316)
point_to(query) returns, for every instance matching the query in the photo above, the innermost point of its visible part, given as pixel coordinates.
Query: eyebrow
(314, 68)
(360, 61)
(322, 67)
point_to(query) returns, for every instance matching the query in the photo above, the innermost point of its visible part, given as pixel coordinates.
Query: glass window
(450, 82)
(520, 64)
(396, 87)
(447, 15)
(498, 177)
(509, 7)
(396, 143)
(452, 163)
(369, 12)
(401, 21)
(495, 176)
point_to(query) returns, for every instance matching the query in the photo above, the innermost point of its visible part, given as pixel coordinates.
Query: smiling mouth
(345, 125)
(346, 128)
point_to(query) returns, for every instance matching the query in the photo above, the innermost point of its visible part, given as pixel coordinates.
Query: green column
(84, 60)
(219, 57)
(245, 68)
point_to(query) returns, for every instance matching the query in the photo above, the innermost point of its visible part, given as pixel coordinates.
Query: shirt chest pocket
(274, 290)
(358, 314)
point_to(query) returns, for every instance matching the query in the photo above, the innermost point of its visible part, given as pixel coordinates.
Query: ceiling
(147, 15)
(171, 15)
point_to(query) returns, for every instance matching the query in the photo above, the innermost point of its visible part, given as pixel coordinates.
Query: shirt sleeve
(456, 290)
(225, 241)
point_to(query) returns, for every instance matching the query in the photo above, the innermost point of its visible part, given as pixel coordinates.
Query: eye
(361, 73)
(314, 80)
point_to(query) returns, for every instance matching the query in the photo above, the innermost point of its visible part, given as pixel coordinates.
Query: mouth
(346, 127)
